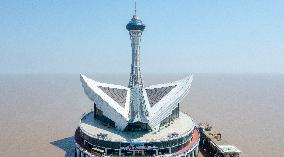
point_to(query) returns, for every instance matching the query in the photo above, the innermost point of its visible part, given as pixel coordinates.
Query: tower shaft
(138, 114)
(135, 74)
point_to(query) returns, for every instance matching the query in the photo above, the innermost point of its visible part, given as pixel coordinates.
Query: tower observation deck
(136, 120)
(135, 28)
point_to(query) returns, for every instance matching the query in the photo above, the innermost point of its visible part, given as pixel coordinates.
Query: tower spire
(135, 8)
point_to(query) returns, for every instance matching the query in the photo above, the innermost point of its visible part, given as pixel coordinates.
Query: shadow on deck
(67, 144)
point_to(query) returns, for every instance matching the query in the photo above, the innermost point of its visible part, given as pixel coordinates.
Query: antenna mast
(135, 8)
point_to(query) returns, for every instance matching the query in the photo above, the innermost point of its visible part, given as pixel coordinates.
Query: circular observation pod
(135, 24)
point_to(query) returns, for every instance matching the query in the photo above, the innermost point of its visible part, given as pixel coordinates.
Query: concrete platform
(180, 127)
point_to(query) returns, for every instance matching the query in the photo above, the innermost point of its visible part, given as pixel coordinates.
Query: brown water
(39, 113)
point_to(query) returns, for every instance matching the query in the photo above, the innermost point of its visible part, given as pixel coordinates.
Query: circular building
(136, 120)
(97, 138)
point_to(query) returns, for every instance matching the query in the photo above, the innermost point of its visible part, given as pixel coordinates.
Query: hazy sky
(181, 36)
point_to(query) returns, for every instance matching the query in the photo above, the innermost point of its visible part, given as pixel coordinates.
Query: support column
(157, 152)
(105, 151)
(196, 151)
(170, 150)
(188, 155)
(119, 152)
(178, 111)
(95, 110)
(77, 152)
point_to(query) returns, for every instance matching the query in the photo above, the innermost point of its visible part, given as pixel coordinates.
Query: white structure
(136, 120)
(135, 106)
(114, 100)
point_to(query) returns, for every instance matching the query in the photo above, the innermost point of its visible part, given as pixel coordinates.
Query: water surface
(39, 113)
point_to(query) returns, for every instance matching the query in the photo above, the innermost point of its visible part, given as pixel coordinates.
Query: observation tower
(136, 120)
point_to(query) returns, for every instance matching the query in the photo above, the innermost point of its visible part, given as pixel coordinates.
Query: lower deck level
(187, 149)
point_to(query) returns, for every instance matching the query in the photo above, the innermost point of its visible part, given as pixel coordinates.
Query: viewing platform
(178, 128)
(95, 138)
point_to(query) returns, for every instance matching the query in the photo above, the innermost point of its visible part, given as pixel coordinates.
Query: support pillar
(196, 151)
(77, 153)
(119, 152)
